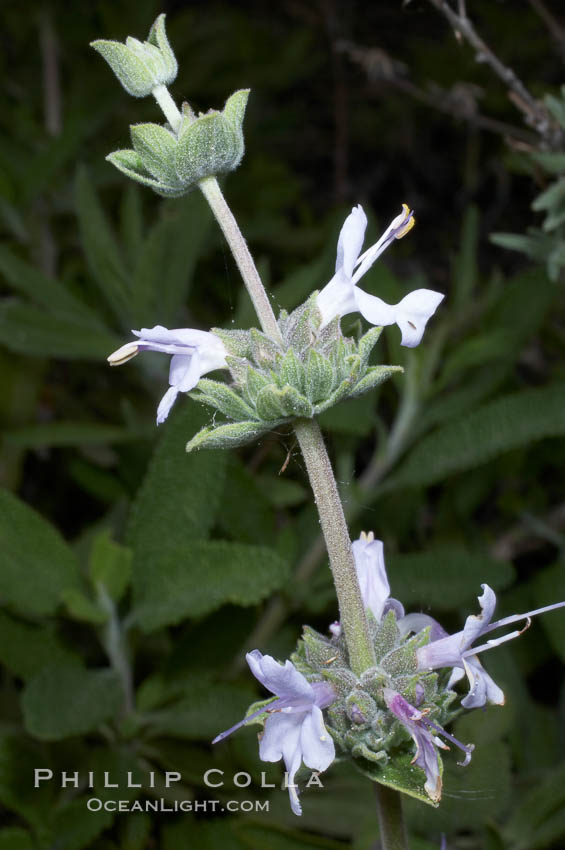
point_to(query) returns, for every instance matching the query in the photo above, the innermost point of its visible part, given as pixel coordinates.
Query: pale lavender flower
(194, 353)
(371, 574)
(341, 295)
(457, 651)
(422, 732)
(294, 729)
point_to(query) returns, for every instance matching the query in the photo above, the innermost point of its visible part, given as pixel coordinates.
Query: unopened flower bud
(141, 66)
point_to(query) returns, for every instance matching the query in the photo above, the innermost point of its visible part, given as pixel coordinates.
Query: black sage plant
(381, 686)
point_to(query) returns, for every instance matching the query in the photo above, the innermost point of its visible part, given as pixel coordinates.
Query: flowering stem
(213, 194)
(336, 535)
(389, 809)
(169, 107)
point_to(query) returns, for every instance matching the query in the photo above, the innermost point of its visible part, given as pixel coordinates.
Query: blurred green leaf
(102, 251)
(15, 838)
(26, 649)
(73, 434)
(445, 577)
(207, 710)
(74, 827)
(549, 586)
(31, 331)
(62, 701)
(37, 565)
(180, 494)
(244, 513)
(193, 577)
(499, 426)
(110, 565)
(538, 822)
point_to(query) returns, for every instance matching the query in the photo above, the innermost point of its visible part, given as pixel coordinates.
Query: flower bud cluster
(360, 721)
(141, 66)
(311, 369)
(172, 163)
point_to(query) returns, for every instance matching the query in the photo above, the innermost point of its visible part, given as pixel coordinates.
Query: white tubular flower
(341, 295)
(194, 353)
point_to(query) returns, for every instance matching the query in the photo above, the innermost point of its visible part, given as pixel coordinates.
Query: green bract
(141, 66)
(359, 721)
(311, 370)
(206, 146)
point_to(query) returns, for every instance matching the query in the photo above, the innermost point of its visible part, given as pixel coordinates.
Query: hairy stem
(322, 480)
(336, 536)
(389, 809)
(213, 194)
(169, 107)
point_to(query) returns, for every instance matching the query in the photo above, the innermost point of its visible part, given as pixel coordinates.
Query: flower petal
(371, 573)
(350, 240)
(413, 312)
(166, 403)
(483, 689)
(185, 371)
(318, 750)
(281, 737)
(283, 680)
(374, 309)
(399, 227)
(337, 298)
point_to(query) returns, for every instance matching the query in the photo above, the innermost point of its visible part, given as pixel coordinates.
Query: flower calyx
(377, 718)
(172, 163)
(274, 383)
(141, 66)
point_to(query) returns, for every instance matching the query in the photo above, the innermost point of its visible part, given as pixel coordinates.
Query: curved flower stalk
(342, 296)
(194, 353)
(294, 729)
(457, 651)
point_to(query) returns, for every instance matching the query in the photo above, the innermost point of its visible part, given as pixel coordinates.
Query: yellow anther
(367, 536)
(410, 222)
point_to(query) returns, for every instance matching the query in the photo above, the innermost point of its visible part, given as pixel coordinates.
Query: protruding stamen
(123, 354)
(408, 224)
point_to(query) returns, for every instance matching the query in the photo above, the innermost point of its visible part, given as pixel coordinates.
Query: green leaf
(19, 757)
(30, 330)
(399, 774)
(165, 266)
(179, 496)
(60, 702)
(257, 836)
(538, 821)
(499, 426)
(549, 586)
(192, 578)
(44, 290)
(74, 434)
(110, 565)
(227, 436)
(445, 577)
(208, 710)
(37, 565)
(74, 827)
(15, 838)
(26, 649)
(224, 399)
(102, 252)
(352, 416)
(245, 514)
(83, 609)
(155, 145)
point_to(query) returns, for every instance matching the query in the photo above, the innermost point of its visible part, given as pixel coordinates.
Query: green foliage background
(133, 577)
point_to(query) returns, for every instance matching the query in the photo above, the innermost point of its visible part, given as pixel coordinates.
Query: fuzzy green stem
(169, 107)
(389, 809)
(334, 528)
(115, 645)
(213, 194)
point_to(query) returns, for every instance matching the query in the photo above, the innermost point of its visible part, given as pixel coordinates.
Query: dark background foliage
(134, 577)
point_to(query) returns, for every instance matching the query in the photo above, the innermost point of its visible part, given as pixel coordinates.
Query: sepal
(226, 436)
(141, 66)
